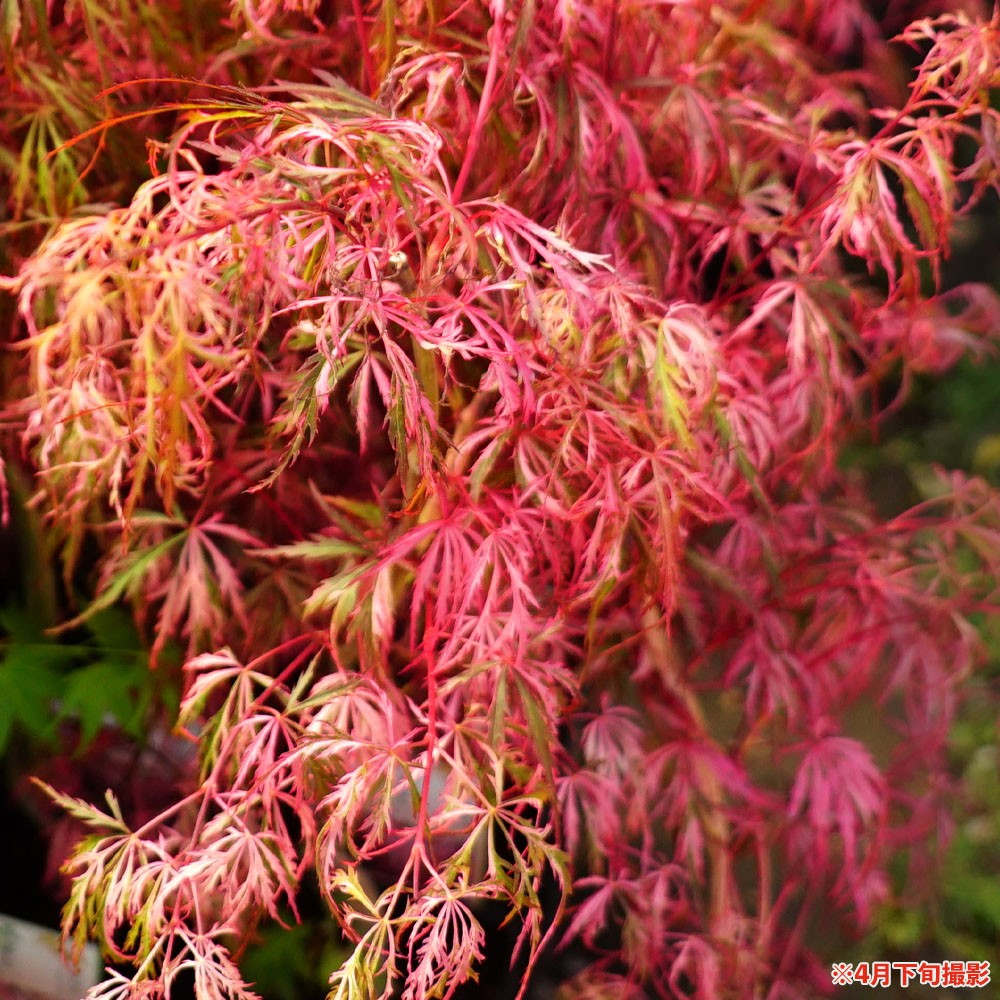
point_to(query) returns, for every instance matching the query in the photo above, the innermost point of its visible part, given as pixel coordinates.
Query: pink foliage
(475, 410)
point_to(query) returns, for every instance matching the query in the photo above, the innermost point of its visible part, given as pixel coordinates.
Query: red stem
(485, 101)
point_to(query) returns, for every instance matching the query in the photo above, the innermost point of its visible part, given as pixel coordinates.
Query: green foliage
(288, 963)
(31, 671)
(98, 677)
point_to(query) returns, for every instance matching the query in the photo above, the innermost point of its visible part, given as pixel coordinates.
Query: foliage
(470, 411)
(44, 683)
(62, 684)
(954, 418)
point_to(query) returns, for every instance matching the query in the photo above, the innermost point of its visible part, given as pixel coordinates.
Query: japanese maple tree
(464, 389)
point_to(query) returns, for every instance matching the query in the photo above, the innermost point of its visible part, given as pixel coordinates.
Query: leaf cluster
(470, 410)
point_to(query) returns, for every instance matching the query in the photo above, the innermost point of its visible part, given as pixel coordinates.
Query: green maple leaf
(31, 669)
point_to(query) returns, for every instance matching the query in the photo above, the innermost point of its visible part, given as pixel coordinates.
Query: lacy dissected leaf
(472, 412)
